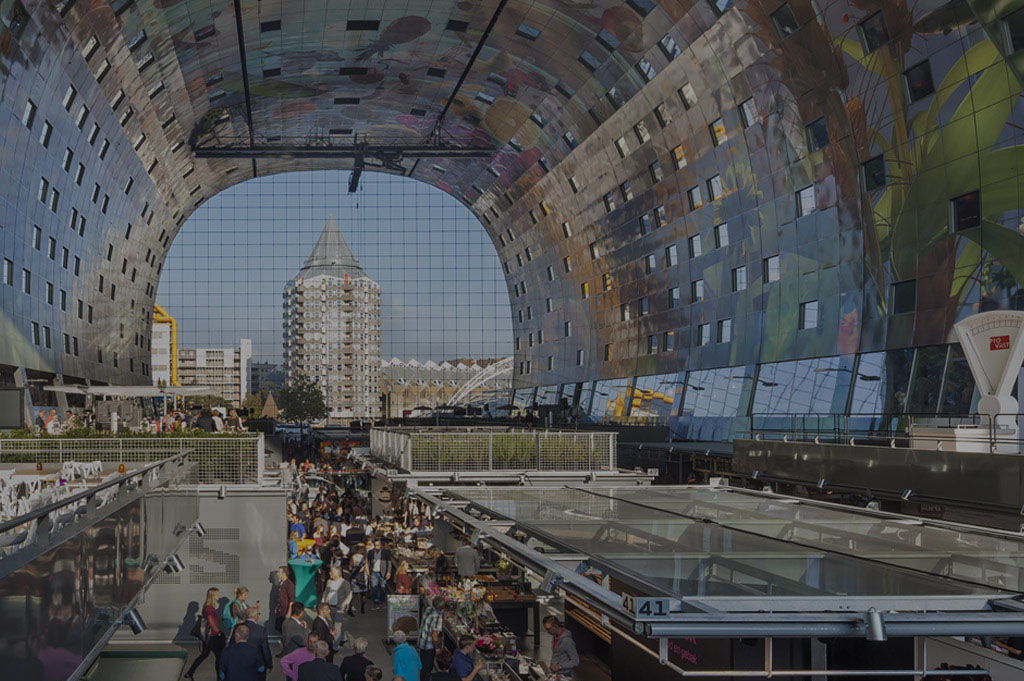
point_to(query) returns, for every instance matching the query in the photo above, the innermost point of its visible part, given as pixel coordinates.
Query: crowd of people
(52, 422)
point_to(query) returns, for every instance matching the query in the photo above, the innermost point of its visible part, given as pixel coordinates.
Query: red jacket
(285, 597)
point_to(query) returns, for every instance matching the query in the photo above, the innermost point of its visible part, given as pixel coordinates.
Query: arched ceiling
(318, 72)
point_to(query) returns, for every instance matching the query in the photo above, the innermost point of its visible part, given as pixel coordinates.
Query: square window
(626, 191)
(703, 334)
(609, 202)
(662, 115)
(724, 330)
(624, 312)
(574, 185)
(693, 198)
(570, 139)
(966, 211)
(873, 33)
(646, 70)
(608, 40)
(622, 147)
(717, 130)
(784, 21)
(590, 61)
(644, 222)
(687, 96)
(694, 245)
(721, 235)
(528, 32)
(919, 81)
(715, 188)
(748, 112)
(641, 7)
(668, 341)
(696, 290)
(678, 157)
(669, 47)
(673, 297)
(652, 344)
(809, 314)
(641, 132)
(805, 201)
(873, 171)
(655, 172)
(660, 217)
(671, 260)
(817, 134)
(904, 296)
(739, 278)
(642, 307)
(649, 263)
(772, 268)
(593, 251)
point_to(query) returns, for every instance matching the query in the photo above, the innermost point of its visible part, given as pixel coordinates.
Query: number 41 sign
(645, 609)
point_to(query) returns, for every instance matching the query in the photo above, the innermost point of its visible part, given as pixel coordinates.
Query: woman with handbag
(360, 578)
(338, 595)
(209, 633)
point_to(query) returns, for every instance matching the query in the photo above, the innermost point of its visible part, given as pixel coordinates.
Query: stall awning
(718, 561)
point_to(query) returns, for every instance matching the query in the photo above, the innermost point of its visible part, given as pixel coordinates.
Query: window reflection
(611, 400)
(654, 398)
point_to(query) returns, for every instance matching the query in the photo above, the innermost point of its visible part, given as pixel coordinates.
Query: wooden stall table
(512, 610)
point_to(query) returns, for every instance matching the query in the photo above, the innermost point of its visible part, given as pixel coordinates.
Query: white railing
(219, 460)
(470, 450)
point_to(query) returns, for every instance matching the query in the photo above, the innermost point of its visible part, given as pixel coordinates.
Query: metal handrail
(88, 493)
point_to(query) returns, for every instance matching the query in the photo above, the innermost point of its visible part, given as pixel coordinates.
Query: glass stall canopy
(727, 550)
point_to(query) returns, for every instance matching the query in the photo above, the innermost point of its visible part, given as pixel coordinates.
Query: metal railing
(219, 460)
(919, 431)
(54, 522)
(499, 449)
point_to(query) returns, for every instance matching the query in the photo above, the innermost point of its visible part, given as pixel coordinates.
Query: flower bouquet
(490, 645)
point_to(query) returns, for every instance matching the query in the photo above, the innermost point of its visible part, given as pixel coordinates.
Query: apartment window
(678, 157)
(37, 237)
(51, 250)
(687, 96)
(567, 264)
(566, 230)
(655, 171)
(643, 307)
(696, 290)
(717, 130)
(652, 344)
(784, 21)
(609, 202)
(606, 282)
(748, 112)
(54, 199)
(49, 293)
(568, 329)
(8, 272)
(873, 33)
(622, 147)
(574, 184)
(817, 134)
(624, 312)
(739, 278)
(608, 40)
(693, 198)
(673, 298)
(669, 47)
(668, 341)
(662, 115)
(83, 115)
(919, 81)
(724, 330)
(670, 256)
(45, 134)
(551, 273)
(80, 174)
(805, 201)
(551, 363)
(721, 235)
(772, 268)
(528, 32)
(715, 188)
(63, 300)
(548, 306)
(626, 191)
(104, 148)
(966, 211)
(649, 263)
(26, 281)
(68, 157)
(593, 251)
(644, 223)
(36, 335)
(590, 61)
(641, 132)
(28, 117)
(570, 139)
(607, 352)
(873, 171)
(94, 133)
(646, 70)
(584, 290)
(694, 245)
(904, 296)
(579, 358)
(809, 314)
(703, 334)
(533, 216)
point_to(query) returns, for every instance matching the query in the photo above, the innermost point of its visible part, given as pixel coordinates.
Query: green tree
(254, 403)
(207, 402)
(301, 401)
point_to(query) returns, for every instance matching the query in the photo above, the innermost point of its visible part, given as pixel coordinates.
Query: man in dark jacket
(323, 628)
(294, 631)
(258, 637)
(240, 661)
(319, 669)
(379, 559)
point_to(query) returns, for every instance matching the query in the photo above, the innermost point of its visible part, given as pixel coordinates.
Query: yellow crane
(162, 316)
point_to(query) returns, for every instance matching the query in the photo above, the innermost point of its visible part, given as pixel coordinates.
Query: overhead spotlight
(200, 530)
(173, 565)
(876, 626)
(134, 620)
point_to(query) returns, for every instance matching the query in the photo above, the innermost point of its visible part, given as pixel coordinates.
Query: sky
(442, 288)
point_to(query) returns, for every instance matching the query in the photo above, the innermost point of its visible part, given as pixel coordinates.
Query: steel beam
(343, 152)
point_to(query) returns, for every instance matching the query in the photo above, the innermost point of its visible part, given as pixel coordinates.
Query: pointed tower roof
(331, 256)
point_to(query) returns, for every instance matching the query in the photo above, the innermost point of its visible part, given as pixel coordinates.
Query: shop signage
(644, 609)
